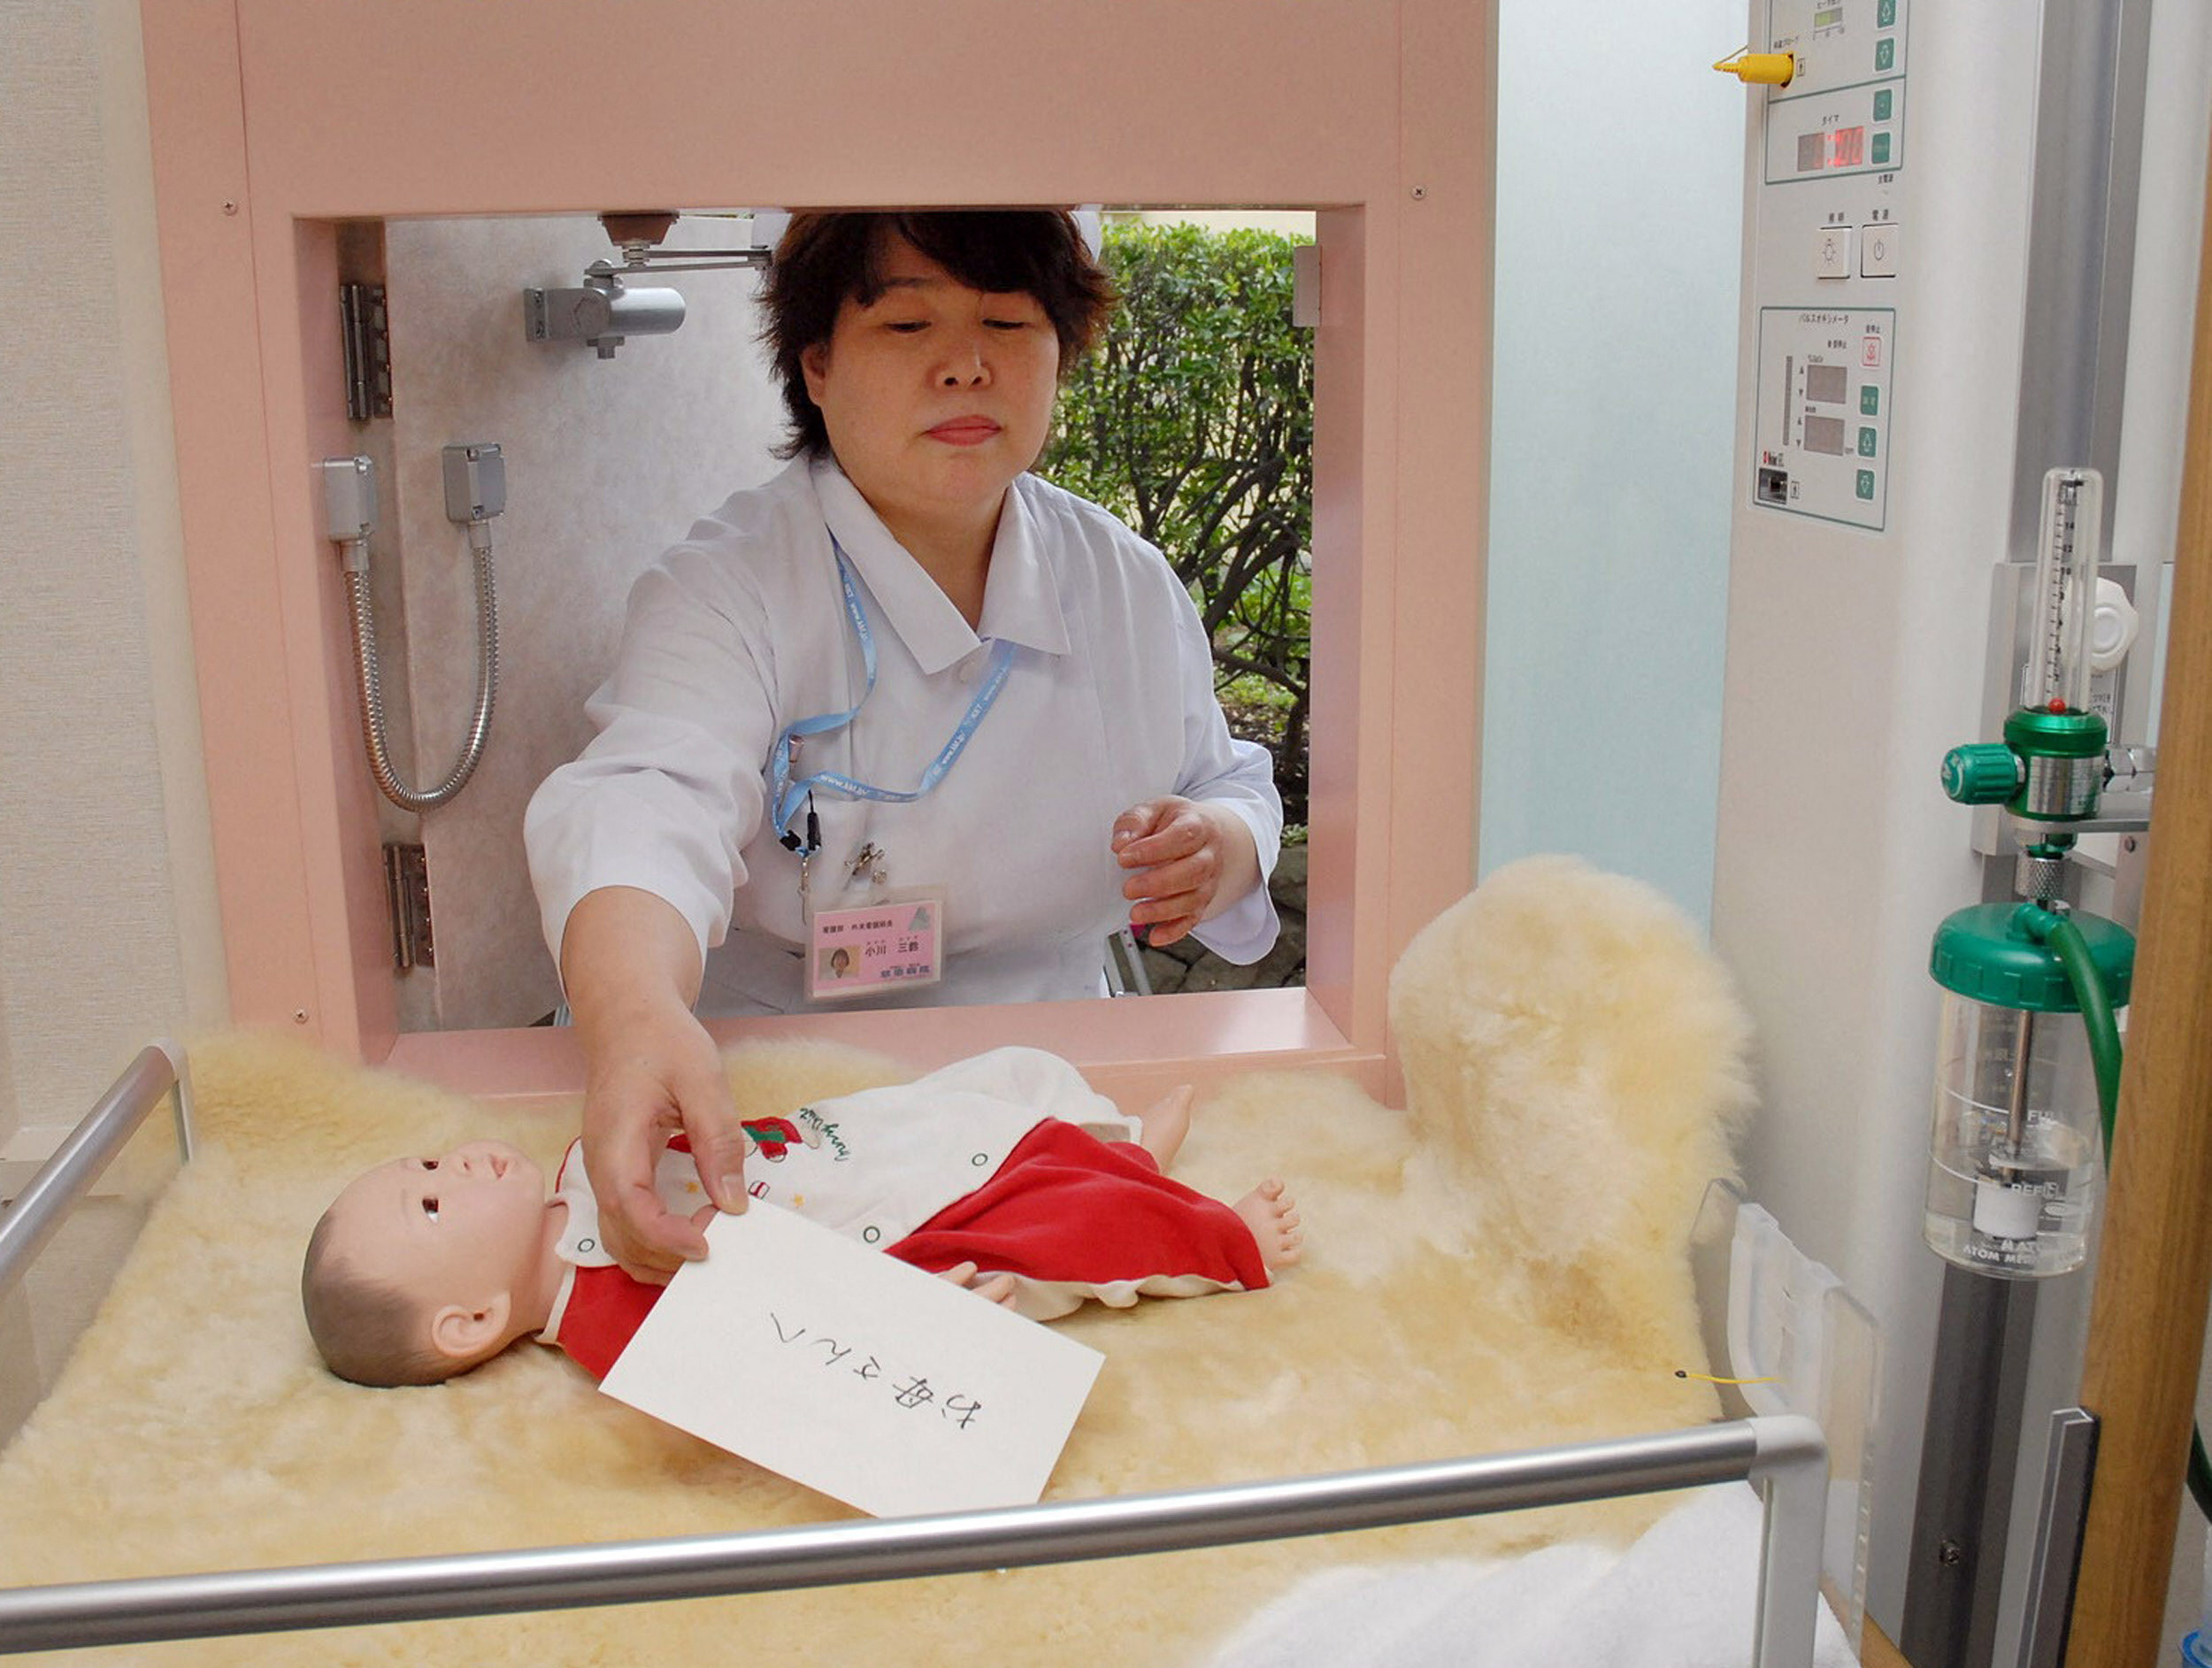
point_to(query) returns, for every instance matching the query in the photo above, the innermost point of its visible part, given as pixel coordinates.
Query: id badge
(868, 949)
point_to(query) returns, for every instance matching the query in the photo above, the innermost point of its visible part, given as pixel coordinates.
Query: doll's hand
(998, 1289)
(1191, 860)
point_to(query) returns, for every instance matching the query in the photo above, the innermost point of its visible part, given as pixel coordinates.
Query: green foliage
(1194, 423)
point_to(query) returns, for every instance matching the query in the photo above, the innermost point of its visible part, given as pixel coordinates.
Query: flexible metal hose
(364, 612)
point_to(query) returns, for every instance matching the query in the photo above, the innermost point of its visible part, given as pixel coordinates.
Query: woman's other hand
(631, 967)
(1189, 860)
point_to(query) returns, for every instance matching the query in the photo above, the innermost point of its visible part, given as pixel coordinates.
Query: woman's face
(936, 395)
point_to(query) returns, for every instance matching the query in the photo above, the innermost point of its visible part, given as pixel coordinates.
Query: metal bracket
(407, 890)
(2069, 1464)
(368, 344)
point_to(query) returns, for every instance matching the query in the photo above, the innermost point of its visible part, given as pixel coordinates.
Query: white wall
(108, 926)
(1619, 210)
(608, 462)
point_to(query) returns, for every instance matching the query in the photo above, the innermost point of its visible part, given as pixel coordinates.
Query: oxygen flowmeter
(2050, 767)
(2028, 1066)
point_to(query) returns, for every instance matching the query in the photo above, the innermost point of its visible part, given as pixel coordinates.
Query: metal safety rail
(29, 1220)
(1785, 1455)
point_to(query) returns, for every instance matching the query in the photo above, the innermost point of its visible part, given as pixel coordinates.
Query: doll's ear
(461, 1333)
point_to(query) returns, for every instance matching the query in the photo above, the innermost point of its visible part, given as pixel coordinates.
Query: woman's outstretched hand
(630, 965)
(1188, 860)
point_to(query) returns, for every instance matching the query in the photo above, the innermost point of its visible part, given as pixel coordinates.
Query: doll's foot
(999, 1288)
(1273, 1215)
(1165, 1123)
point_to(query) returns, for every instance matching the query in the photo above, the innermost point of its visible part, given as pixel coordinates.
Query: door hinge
(1305, 286)
(407, 889)
(368, 351)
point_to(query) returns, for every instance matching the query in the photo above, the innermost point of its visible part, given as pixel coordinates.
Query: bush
(1194, 423)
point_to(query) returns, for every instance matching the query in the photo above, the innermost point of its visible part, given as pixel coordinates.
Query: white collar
(1021, 604)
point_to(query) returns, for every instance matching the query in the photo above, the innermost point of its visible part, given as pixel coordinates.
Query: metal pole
(1969, 1456)
(1786, 1454)
(30, 1219)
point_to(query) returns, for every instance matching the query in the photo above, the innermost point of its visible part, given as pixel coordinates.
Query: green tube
(2072, 950)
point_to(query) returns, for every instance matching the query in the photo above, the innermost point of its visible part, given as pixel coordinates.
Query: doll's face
(459, 1229)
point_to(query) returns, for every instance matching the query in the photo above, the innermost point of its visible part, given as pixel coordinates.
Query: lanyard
(788, 795)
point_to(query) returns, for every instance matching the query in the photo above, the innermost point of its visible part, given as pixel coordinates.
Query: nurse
(905, 724)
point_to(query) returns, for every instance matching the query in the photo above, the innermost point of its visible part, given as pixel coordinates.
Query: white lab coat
(742, 628)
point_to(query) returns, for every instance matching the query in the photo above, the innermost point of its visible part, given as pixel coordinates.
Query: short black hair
(824, 258)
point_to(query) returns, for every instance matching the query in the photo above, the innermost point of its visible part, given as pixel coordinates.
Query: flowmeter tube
(2057, 676)
(2050, 767)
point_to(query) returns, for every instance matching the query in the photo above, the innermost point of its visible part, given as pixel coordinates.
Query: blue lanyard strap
(788, 793)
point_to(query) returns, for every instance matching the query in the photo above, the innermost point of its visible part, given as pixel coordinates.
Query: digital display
(1824, 435)
(1832, 147)
(1828, 18)
(1829, 384)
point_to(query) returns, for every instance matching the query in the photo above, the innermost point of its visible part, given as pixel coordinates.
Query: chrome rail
(1785, 1455)
(30, 1219)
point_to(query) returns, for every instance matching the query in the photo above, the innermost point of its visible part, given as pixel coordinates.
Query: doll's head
(426, 1267)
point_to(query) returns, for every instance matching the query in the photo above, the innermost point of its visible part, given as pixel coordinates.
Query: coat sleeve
(668, 792)
(1218, 769)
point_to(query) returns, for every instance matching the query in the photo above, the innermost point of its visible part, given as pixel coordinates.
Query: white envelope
(851, 1373)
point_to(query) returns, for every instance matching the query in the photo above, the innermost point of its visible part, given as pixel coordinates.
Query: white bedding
(1684, 1595)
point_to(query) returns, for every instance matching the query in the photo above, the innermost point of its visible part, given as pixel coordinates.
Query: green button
(1870, 401)
(1881, 150)
(1884, 14)
(1886, 53)
(1866, 485)
(1882, 105)
(1866, 443)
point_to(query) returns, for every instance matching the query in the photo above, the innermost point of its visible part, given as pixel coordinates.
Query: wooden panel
(2155, 1263)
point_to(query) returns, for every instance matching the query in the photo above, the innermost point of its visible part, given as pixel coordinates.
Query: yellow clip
(1766, 69)
(1707, 1378)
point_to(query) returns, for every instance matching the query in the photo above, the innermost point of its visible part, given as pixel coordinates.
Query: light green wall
(1619, 206)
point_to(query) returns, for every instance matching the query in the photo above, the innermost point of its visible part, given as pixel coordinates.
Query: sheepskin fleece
(1502, 1268)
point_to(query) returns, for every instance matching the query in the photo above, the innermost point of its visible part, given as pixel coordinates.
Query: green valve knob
(1982, 773)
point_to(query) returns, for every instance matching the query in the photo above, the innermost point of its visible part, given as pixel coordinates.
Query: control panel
(1823, 421)
(1830, 246)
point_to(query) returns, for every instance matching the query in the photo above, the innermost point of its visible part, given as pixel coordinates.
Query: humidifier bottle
(2016, 1151)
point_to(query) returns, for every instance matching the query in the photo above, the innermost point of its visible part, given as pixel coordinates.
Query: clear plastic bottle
(2016, 1154)
(2013, 1177)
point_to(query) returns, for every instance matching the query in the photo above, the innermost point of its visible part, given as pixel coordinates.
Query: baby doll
(987, 1173)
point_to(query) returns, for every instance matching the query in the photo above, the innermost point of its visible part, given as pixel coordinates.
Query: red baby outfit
(1067, 1216)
